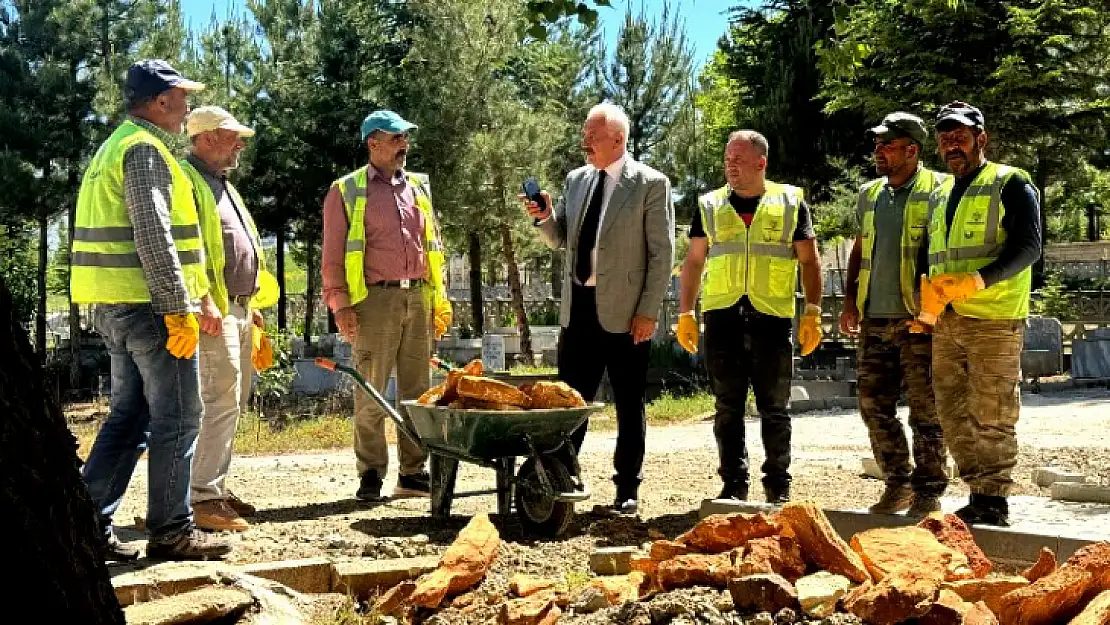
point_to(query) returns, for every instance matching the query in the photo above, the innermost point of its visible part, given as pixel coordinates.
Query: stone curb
(1000, 543)
(311, 575)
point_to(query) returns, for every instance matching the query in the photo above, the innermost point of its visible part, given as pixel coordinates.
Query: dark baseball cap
(960, 113)
(901, 124)
(152, 77)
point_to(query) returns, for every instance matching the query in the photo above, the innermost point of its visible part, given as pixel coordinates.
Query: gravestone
(493, 352)
(1090, 356)
(1042, 352)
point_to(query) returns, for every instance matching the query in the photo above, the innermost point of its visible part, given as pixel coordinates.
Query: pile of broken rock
(792, 560)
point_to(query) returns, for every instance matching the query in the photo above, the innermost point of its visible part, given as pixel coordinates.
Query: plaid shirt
(147, 191)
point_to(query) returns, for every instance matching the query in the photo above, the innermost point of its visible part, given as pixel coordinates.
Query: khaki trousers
(394, 330)
(976, 378)
(225, 386)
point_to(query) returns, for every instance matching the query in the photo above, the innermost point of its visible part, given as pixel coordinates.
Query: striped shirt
(147, 184)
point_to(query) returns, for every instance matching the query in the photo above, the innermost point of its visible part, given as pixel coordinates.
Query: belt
(242, 300)
(400, 284)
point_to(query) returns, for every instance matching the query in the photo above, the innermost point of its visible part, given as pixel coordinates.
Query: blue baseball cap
(959, 114)
(152, 77)
(386, 121)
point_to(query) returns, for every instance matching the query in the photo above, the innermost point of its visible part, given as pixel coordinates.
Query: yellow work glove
(184, 334)
(932, 303)
(918, 327)
(809, 330)
(262, 350)
(958, 286)
(442, 318)
(687, 333)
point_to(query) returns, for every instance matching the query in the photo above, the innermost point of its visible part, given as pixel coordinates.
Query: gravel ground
(307, 507)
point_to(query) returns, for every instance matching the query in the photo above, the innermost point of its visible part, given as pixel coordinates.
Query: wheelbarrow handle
(402, 425)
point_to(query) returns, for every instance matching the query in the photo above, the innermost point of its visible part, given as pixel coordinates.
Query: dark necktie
(587, 234)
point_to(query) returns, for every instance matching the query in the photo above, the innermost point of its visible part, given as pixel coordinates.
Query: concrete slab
(1093, 493)
(612, 560)
(203, 605)
(871, 468)
(360, 578)
(1016, 544)
(169, 578)
(1047, 476)
(309, 575)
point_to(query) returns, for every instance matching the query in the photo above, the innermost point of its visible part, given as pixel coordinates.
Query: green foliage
(274, 383)
(18, 260)
(1053, 299)
(542, 12)
(836, 218)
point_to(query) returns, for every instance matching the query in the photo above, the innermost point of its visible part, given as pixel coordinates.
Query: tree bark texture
(280, 269)
(53, 547)
(518, 294)
(476, 302)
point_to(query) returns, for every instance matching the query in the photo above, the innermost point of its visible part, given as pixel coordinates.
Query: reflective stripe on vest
(212, 233)
(758, 260)
(974, 240)
(915, 222)
(104, 265)
(352, 188)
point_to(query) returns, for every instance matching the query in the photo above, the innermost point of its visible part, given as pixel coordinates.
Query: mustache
(954, 153)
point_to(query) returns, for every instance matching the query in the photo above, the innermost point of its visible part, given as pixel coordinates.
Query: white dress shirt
(612, 175)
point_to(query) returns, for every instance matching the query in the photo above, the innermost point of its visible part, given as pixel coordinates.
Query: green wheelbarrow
(545, 488)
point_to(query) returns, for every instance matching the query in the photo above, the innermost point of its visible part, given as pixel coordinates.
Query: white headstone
(493, 352)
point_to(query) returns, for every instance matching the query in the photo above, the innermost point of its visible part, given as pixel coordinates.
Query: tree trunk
(310, 290)
(556, 274)
(40, 318)
(518, 295)
(54, 545)
(1041, 180)
(476, 302)
(280, 269)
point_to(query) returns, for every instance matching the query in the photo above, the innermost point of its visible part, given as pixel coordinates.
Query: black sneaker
(734, 490)
(370, 488)
(190, 545)
(627, 507)
(415, 486)
(986, 510)
(116, 551)
(777, 494)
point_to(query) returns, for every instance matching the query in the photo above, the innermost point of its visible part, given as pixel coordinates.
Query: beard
(960, 162)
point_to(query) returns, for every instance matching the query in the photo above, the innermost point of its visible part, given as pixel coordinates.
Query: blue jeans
(156, 407)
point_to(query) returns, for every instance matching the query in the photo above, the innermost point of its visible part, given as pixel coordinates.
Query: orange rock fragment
(1046, 563)
(821, 545)
(1054, 598)
(662, 550)
(952, 532)
(535, 610)
(696, 569)
(619, 588)
(463, 565)
(717, 533)
(886, 548)
(906, 592)
(1097, 611)
(523, 585)
(395, 598)
(990, 591)
(1095, 559)
(780, 555)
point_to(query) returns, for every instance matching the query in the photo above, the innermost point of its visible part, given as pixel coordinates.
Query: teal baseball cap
(386, 121)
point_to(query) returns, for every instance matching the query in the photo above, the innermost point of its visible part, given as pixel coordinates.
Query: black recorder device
(531, 189)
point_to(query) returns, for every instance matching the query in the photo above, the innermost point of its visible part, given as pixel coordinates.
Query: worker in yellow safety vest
(880, 299)
(230, 315)
(138, 255)
(749, 239)
(382, 268)
(984, 236)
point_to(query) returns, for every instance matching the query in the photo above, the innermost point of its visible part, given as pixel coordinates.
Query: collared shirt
(613, 172)
(240, 259)
(884, 291)
(147, 185)
(394, 236)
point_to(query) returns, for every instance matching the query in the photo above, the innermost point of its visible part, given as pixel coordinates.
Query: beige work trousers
(225, 386)
(394, 330)
(976, 379)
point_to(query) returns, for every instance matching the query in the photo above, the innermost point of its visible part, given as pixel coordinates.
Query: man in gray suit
(616, 220)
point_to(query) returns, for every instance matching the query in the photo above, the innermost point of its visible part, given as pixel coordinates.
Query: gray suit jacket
(635, 247)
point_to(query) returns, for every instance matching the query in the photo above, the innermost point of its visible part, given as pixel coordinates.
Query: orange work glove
(959, 286)
(687, 333)
(918, 327)
(184, 334)
(262, 350)
(809, 330)
(442, 318)
(932, 303)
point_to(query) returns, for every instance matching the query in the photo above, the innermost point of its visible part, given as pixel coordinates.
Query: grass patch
(256, 436)
(532, 370)
(576, 580)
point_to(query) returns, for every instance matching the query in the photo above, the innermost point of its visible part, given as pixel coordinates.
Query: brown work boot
(192, 544)
(243, 508)
(923, 505)
(215, 515)
(894, 499)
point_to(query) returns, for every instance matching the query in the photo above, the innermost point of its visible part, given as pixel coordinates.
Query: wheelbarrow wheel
(539, 513)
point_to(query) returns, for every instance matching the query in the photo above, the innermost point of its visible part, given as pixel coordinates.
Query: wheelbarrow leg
(505, 471)
(443, 472)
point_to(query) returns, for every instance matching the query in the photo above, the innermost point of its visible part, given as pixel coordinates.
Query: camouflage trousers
(893, 361)
(976, 376)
